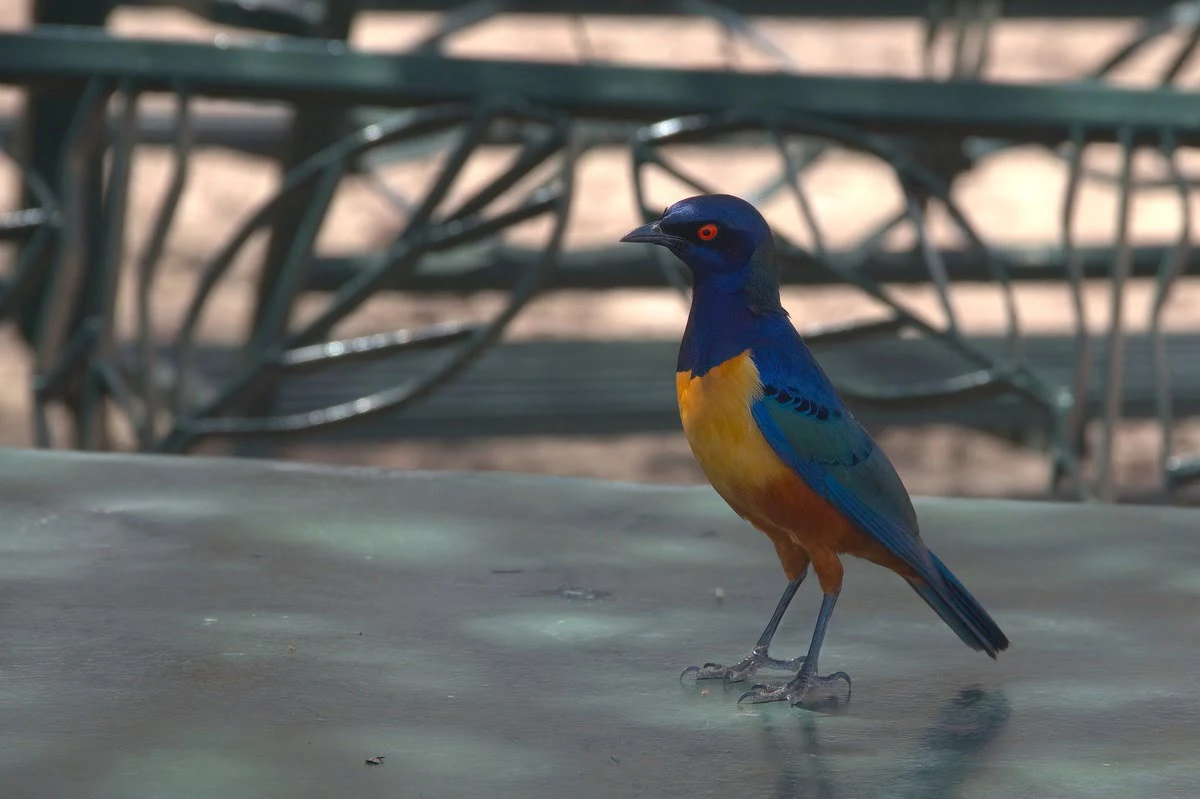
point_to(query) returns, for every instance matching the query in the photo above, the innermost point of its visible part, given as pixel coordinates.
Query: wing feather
(840, 461)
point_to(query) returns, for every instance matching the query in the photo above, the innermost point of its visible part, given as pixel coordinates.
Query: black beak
(651, 234)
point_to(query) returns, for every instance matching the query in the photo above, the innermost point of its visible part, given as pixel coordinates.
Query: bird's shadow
(949, 751)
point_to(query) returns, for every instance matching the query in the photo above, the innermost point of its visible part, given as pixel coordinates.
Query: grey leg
(758, 657)
(807, 680)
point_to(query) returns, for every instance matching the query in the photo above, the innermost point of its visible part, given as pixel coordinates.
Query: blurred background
(384, 232)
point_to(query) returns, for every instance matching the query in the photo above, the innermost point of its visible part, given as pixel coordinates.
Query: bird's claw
(739, 672)
(795, 691)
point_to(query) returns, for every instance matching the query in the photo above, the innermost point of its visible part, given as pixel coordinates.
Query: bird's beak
(650, 234)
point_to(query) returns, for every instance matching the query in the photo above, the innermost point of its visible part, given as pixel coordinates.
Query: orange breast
(715, 411)
(746, 472)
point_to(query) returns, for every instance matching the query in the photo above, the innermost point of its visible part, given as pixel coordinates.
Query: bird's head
(722, 239)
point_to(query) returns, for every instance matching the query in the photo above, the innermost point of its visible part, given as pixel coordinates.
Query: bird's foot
(746, 668)
(795, 692)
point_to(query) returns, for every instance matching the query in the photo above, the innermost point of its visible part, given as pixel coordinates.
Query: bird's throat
(720, 326)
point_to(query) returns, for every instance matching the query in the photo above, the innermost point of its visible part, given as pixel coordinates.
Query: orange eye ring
(707, 232)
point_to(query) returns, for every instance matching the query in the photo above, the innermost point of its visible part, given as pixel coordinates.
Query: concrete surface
(207, 628)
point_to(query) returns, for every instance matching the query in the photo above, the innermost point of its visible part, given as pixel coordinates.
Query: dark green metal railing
(929, 132)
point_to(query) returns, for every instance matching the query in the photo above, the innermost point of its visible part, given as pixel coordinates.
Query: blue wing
(813, 432)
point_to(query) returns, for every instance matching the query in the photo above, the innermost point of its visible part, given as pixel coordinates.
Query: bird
(781, 448)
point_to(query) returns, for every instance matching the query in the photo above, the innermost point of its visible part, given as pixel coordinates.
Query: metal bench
(72, 236)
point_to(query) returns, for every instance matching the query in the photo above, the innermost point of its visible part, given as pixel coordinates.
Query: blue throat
(723, 323)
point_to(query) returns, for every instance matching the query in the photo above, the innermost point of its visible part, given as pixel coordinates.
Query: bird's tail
(954, 603)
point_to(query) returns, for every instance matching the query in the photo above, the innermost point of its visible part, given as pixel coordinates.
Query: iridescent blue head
(726, 244)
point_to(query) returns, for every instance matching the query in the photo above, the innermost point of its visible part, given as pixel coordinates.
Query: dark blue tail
(961, 611)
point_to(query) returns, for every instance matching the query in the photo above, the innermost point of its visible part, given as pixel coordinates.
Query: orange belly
(754, 481)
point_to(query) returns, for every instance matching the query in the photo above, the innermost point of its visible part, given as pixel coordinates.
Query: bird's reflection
(806, 772)
(949, 751)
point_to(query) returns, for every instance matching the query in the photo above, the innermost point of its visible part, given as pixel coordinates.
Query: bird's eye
(707, 232)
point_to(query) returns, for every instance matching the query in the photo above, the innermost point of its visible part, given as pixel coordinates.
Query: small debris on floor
(375, 761)
(584, 594)
(719, 594)
(291, 648)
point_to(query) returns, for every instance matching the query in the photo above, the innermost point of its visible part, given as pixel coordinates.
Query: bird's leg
(808, 679)
(758, 657)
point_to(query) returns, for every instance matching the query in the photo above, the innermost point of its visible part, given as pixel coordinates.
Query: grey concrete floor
(212, 628)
